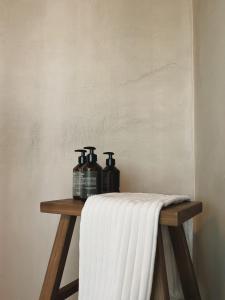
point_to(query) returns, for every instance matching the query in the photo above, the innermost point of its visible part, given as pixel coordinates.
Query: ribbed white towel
(118, 235)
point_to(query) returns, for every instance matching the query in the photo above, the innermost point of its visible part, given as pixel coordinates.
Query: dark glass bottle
(92, 174)
(111, 175)
(78, 181)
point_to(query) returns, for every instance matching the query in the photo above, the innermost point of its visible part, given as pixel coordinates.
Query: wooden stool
(173, 216)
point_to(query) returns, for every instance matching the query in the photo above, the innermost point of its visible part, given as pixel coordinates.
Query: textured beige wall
(115, 74)
(210, 144)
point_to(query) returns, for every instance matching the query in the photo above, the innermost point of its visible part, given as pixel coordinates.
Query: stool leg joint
(184, 263)
(53, 276)
(160, 289)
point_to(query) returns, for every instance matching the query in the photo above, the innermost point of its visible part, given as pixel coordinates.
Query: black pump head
(91, 157)
(110, 161)
(82, 157)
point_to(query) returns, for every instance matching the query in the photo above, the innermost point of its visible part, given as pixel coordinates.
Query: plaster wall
(210, 144)
(114, 74)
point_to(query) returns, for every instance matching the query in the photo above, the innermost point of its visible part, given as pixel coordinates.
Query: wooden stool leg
(58, 257)
(160, 290)
(184, 263)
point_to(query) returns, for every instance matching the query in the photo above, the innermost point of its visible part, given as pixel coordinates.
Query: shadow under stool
(172, 216)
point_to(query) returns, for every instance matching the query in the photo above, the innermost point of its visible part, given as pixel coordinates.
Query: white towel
(118, 236)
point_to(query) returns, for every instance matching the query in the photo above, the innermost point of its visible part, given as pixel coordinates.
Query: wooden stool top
(173, 215)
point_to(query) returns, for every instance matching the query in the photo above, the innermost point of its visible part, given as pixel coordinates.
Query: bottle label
(90, 184)
(76, 184)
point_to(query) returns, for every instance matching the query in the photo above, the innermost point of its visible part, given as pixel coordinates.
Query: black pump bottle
(78, 181)
(111, 175)
(92, 173)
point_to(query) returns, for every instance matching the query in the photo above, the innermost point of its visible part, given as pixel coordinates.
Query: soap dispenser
(92, 173)
(111, 175)
(78, 181)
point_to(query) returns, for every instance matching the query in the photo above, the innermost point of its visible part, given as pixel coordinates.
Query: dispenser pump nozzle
(110, 161)
(92, 157)
(82, 157)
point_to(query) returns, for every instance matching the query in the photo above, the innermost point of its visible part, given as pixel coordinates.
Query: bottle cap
(91, 157)
(110, 161)
(82, 157)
